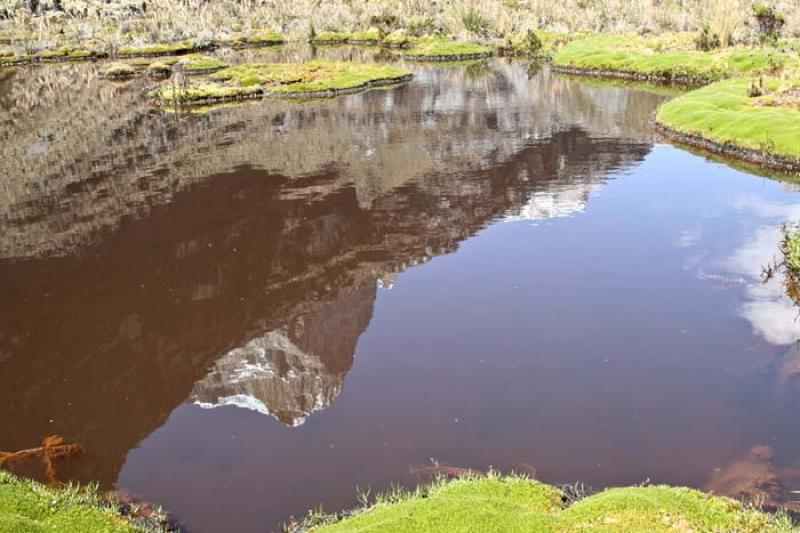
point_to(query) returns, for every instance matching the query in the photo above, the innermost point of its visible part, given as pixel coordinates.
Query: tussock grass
(515, 503)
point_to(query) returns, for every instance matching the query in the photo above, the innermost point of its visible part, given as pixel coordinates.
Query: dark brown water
(246, 313)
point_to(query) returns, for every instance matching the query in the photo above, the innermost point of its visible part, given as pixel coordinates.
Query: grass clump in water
(441, 49)
(667, 58)
(740, 121)
(314, 78)
(29, 506)
(259, 38)
(118, 71)
(157, 49)
(159, 69)
(200, 64)
(331, 37)
(512, 503)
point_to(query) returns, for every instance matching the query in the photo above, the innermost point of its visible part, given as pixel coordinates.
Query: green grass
(29, 507)
(332, 37)
(193, 64)
(118, 70)
(441, 48)
(157, 49)
(517, 504)
(372, 35)
(258, 38)
(65, 52)
(665, 60)
(724, 114)
(791, 250)
(282, 79)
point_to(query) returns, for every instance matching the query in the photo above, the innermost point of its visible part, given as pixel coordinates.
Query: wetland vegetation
(744, 102)
(514, 503)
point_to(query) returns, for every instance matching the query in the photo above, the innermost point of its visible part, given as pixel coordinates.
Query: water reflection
(231, 258)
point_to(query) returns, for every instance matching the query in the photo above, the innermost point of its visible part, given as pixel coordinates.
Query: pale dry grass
(125, 21)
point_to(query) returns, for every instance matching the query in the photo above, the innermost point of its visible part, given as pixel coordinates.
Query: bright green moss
(199, 64)
(667, 60)
(724, 114)
(514, 504)
(372, 35)
(118, 71)
(257, 38)
(315, 78)
(27, 506)
(399, 39)
(440, 48)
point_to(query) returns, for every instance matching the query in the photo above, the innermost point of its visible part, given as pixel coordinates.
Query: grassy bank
(27, 506)
(440, 49)
(510, 503)
(311, 79)
(669, 58)
(752, 120)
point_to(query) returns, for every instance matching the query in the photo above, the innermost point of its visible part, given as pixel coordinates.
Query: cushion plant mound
(331, 37)
(27, 506)
(314, 78)
(724, 118)
(516, 504)
(258, 38)
(657, 60)
(440, 49)
(200, 64)
(118, 71)
(157, 49)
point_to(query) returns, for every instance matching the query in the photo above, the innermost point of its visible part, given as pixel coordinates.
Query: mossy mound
(65, 53)
(664, 60)
(154, 50)
(159, 69)
(254, 39)
(370, 36)
(118, 71)
(200, 64)
(516, 504)
(724, 118)
(27, 506)
(441, 49)
(293, 80)
(399, 39)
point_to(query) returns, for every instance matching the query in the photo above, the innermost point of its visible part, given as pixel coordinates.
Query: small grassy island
(757, 121)
(518, 504)
(27, 506)
(441, 49)
(301, 80)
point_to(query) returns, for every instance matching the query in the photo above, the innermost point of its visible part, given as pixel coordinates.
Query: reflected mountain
(232, 258)
(294, 371)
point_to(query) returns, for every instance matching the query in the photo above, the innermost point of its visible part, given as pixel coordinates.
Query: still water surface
(245, 313)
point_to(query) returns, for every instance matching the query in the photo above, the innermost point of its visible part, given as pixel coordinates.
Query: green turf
(439, 47)
(513, 504)
(29, 507)
(199, 63)
(157, 49)
(293, 79)
(724, 113)
(660, 58)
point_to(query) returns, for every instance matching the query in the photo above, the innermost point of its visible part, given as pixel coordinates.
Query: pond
(254, 310)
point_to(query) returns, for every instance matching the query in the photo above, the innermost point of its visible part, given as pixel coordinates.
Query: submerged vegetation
(513, 503)
(311, 79)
